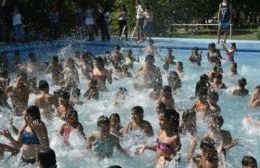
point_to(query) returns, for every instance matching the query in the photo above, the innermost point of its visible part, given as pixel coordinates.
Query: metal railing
(230, 27)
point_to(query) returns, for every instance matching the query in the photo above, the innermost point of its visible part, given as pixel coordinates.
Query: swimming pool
(233, 108)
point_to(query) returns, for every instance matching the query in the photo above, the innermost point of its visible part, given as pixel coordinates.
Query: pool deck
(176, 43)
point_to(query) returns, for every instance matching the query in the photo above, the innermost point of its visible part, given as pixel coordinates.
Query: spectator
(79, 22)
(18, 26)
(89, 22)
(139, 20)
(102, 24)
(54, 22)
(122, 21)
(148, 23)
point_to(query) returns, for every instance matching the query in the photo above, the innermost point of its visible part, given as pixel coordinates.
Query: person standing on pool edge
(224, 18)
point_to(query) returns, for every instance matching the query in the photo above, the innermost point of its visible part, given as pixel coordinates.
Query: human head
(179, 66)
(129, 53)
(212, 46)
(195, 50)
(242, 82)
(118, 48)
(149, 59)
(125, 68)
(43, 86)
(114, 120)
(233, 45)
(4, 73)
(204, 78)
(32, 113)
(70, 62)
(92, 84)
(219, 77)
(166, 91)
(103, 125)
(55, 59)
(99, 62)
(46, 158)
(121, 92)
(169, 119)
(170, 51)
(189, 117)
(257, 89)
(249, 162)
(215, 122)
(137, 113)
(207, 146)
(72, 116)
(160, 107)
(64, 98)
(32, 56)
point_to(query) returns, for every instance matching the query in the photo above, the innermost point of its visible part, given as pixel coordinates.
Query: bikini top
(29, 138)
(166, 148)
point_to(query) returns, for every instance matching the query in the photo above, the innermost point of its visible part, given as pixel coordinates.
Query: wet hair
(213, 95)
(195, 49)
(114, 166)
(208, 146)
(257, 87)
(249, 161)
(211, 45)
(161, 106)
(139, 110)
(34, 112)
(219, 76)
(174, 116)
(47, 158)
(234, 64)
(100, 60)
(32, 55)
(55, 59)
(118, 47)
(93, 83)
(180, 64)
(149, 57)
(4, 73)
(65, 95)
(22, 74)
(204, 77)
(72, 114)
(129, 52)
(115, 115)
(234, 45)
(167, 89)
(43, 84)
(242, 82)
(103, 120)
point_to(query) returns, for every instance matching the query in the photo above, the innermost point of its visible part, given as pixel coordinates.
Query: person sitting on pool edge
(241, 91)
(137, 122)
(255, 99)
(103, 142)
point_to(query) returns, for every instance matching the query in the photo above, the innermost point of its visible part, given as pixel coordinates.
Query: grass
(209, 34)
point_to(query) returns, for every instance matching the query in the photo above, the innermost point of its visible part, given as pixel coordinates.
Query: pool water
(234, 109)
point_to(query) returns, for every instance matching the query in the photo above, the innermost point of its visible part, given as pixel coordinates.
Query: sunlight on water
(233, 110)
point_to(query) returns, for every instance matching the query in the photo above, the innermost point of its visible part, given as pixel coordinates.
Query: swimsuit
(103, 148)
(166, 148)
(30, 138)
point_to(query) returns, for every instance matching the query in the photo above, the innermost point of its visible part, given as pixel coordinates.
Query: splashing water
(233, 110)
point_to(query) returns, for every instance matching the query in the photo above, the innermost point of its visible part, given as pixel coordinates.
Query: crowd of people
(33, 140)
(88, 23)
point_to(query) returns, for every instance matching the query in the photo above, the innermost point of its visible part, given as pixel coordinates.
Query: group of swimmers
(32, 138)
